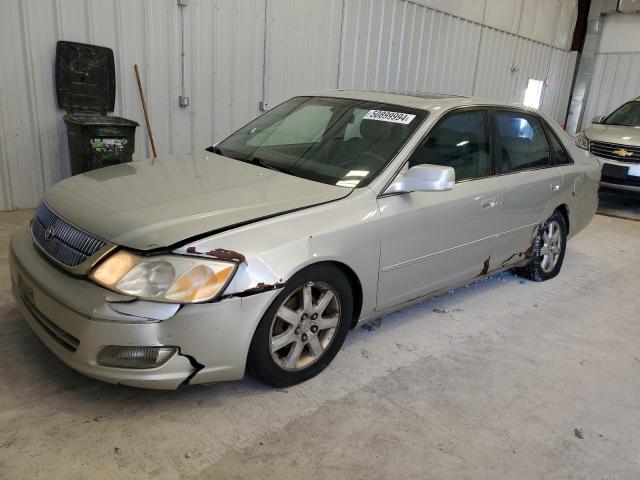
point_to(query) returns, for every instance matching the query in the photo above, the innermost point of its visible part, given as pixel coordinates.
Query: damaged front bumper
(77, 319)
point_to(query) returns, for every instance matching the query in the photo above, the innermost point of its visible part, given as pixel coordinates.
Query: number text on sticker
(384, 116)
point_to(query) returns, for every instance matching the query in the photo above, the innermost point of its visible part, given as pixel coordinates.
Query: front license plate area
(634, 171)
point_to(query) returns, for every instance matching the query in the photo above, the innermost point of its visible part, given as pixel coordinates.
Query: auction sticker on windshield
(384, 116)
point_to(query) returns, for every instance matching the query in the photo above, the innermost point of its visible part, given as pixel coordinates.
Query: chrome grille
(606, 150)
(63, 242)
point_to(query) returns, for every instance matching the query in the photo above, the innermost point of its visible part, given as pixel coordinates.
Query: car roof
(417, 100)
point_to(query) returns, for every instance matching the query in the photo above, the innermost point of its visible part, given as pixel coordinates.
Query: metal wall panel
(556, 94)
(547, 21)
(24, 133)
(302, 48)
(401, 46)
(531, 61)
(494, 78)
(469, 9)
(616, 79)
(616, 71)
(232, 92)
(620, 33)
(224, 46)
(539, 19)
(241, 53)
(503, 15)
(567, 17)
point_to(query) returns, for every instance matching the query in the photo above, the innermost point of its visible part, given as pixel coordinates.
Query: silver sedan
(261, 252)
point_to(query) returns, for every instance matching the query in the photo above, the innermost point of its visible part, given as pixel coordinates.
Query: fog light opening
(135, 357)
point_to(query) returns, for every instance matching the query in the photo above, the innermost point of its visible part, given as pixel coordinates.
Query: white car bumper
(74, 319)
(621, 176)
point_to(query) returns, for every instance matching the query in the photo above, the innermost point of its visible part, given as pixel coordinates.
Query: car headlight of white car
(581, 140)
(164, 278)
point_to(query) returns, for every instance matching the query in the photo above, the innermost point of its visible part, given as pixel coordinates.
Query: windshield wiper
(215, 150)
(254, 161)
(270, 166)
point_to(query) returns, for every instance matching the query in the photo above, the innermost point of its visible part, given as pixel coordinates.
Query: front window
(338, 141)
(627, 115)
(460, 141)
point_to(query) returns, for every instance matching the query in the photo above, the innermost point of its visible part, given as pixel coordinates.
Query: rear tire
(549, 247)
(304, 328)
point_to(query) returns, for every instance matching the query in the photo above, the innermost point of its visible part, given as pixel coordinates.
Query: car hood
(157, 203)
(614, 134)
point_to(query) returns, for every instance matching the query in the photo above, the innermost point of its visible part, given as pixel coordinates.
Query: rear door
(531, 183)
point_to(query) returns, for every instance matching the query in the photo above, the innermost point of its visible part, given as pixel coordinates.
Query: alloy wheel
(551, 247)
(304, 326)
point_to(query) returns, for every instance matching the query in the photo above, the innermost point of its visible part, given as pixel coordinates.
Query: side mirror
(424, 178)
(598, 119)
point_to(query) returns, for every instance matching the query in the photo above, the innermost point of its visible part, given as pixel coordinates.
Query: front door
(434, 240)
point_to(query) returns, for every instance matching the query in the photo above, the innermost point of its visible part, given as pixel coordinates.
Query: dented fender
(269, 252)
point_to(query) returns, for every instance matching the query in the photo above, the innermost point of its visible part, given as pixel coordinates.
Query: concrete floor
(503, 379)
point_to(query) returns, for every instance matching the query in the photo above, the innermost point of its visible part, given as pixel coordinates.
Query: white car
(261, 252)
(615, 139)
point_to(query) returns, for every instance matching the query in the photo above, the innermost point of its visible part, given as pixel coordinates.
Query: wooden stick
(146, 114)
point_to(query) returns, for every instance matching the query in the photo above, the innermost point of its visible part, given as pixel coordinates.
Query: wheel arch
(354, 282)
(564, 210)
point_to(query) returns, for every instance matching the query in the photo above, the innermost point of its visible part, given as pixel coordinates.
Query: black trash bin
(86, 89)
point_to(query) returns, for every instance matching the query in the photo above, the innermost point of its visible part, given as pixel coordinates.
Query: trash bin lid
(99, 120)
(85, 77)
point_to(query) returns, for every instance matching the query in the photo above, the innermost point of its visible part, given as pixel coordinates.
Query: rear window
(522, 142)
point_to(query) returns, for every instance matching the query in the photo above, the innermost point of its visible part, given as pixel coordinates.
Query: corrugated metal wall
(616, 79)
(398, 45)
(224, 42)
(560, 75)
(401, 45)
(616, 69)
(240, 53)
(302, 47)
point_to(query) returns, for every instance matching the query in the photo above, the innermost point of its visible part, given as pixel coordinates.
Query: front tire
(304, 328)
(549, 247)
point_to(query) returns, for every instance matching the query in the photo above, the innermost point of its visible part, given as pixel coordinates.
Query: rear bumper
(74, 319)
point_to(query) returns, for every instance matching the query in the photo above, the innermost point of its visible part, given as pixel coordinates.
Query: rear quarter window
(560, 154)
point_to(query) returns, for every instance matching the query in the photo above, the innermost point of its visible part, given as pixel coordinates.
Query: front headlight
(581, 140)
(164, 278)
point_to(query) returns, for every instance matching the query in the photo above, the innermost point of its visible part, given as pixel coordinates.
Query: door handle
(488, 202)
(555, 187)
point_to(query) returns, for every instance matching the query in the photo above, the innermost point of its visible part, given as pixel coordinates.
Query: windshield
(338, 141)
(627, 115)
